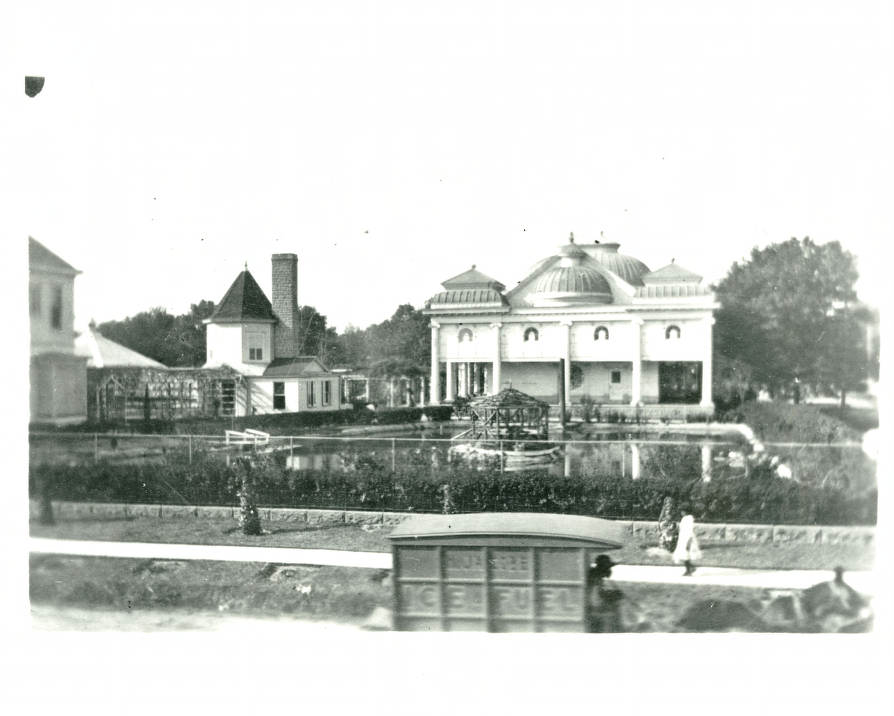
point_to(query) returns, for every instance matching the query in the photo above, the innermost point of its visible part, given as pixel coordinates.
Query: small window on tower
(616, 377)
(35, 299)
(56, 308)
(255, 354)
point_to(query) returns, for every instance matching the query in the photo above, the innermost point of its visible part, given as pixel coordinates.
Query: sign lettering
(559, 601)
(420, 598)
(464, 599)
(464, 563)
(510, 564)
(512, 601)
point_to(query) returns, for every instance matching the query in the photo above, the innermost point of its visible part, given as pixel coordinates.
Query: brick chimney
(285, 305)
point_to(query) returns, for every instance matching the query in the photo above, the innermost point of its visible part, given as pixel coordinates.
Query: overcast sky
(392, 145)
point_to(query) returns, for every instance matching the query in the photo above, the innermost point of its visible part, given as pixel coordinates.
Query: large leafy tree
(405, 336)
(172, 340)
(315, 337)
(784, 313)
(398, 346)
(847, 363)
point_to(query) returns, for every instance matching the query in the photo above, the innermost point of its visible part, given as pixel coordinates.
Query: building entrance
(679, 382)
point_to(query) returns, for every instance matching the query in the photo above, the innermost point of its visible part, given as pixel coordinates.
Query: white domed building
(589, 322)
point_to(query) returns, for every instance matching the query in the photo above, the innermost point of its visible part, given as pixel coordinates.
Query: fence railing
(407, 472)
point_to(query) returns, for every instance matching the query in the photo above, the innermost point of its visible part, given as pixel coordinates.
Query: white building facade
(58, 376)
(587, 323)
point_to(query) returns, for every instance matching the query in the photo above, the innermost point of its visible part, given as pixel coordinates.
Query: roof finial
(246, 265)
(473, 267)
(672, 260)
(571, 238)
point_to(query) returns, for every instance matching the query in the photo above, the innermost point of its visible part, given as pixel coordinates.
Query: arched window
(672, 333)
(465, 335)
(531, 334)
(601, 334)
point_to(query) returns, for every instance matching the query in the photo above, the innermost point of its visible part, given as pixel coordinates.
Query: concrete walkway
(863, 581)
(217, 553)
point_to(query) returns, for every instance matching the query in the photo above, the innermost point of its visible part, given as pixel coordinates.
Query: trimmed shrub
(273, 423)
(367, 482)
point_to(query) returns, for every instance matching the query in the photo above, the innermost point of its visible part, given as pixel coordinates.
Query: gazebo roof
(508, 398)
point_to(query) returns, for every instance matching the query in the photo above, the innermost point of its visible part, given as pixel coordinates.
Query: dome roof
(626, 267)
(574, 282)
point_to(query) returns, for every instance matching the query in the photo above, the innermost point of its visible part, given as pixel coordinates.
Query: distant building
(58, 376)
(588, 320)
(260, 341)
(102, 352)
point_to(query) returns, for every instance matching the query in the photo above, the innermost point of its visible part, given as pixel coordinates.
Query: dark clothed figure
(667, 525)
(610, 610)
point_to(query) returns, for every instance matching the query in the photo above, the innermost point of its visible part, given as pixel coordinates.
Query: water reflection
(624, 458)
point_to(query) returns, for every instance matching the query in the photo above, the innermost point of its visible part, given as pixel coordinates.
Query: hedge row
(274, 423)
(370, 484)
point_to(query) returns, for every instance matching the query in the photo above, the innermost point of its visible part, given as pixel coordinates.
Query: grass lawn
(126, 586)
(860, 419)
(241, 587)
(375, 539)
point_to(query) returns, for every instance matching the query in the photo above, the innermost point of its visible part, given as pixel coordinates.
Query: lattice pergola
(509, 415)
(135, 393)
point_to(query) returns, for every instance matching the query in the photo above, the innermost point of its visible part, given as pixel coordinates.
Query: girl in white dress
(687, 551)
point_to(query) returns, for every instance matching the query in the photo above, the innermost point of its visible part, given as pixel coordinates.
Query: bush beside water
(368, 483)
(784, 422)
(274, 423)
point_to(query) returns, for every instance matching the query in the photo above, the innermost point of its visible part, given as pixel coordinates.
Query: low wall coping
(708, 531)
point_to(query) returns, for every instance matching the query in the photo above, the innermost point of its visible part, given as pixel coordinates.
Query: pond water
(621, 453)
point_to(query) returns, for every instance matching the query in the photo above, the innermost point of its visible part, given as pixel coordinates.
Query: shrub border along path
(642, 531)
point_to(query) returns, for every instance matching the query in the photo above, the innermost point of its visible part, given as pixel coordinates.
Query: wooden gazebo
(509, 415)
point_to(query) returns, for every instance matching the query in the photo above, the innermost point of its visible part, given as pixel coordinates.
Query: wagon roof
(512, 524)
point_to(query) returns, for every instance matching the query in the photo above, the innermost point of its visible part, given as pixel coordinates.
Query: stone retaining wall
(643, 532)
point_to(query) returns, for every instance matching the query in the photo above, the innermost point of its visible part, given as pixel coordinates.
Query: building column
(708, 365)
(434, 397)
(465, 374)
(637, 376)
(495, 371)
(566, 355)
(448, 389)
(634, 461)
